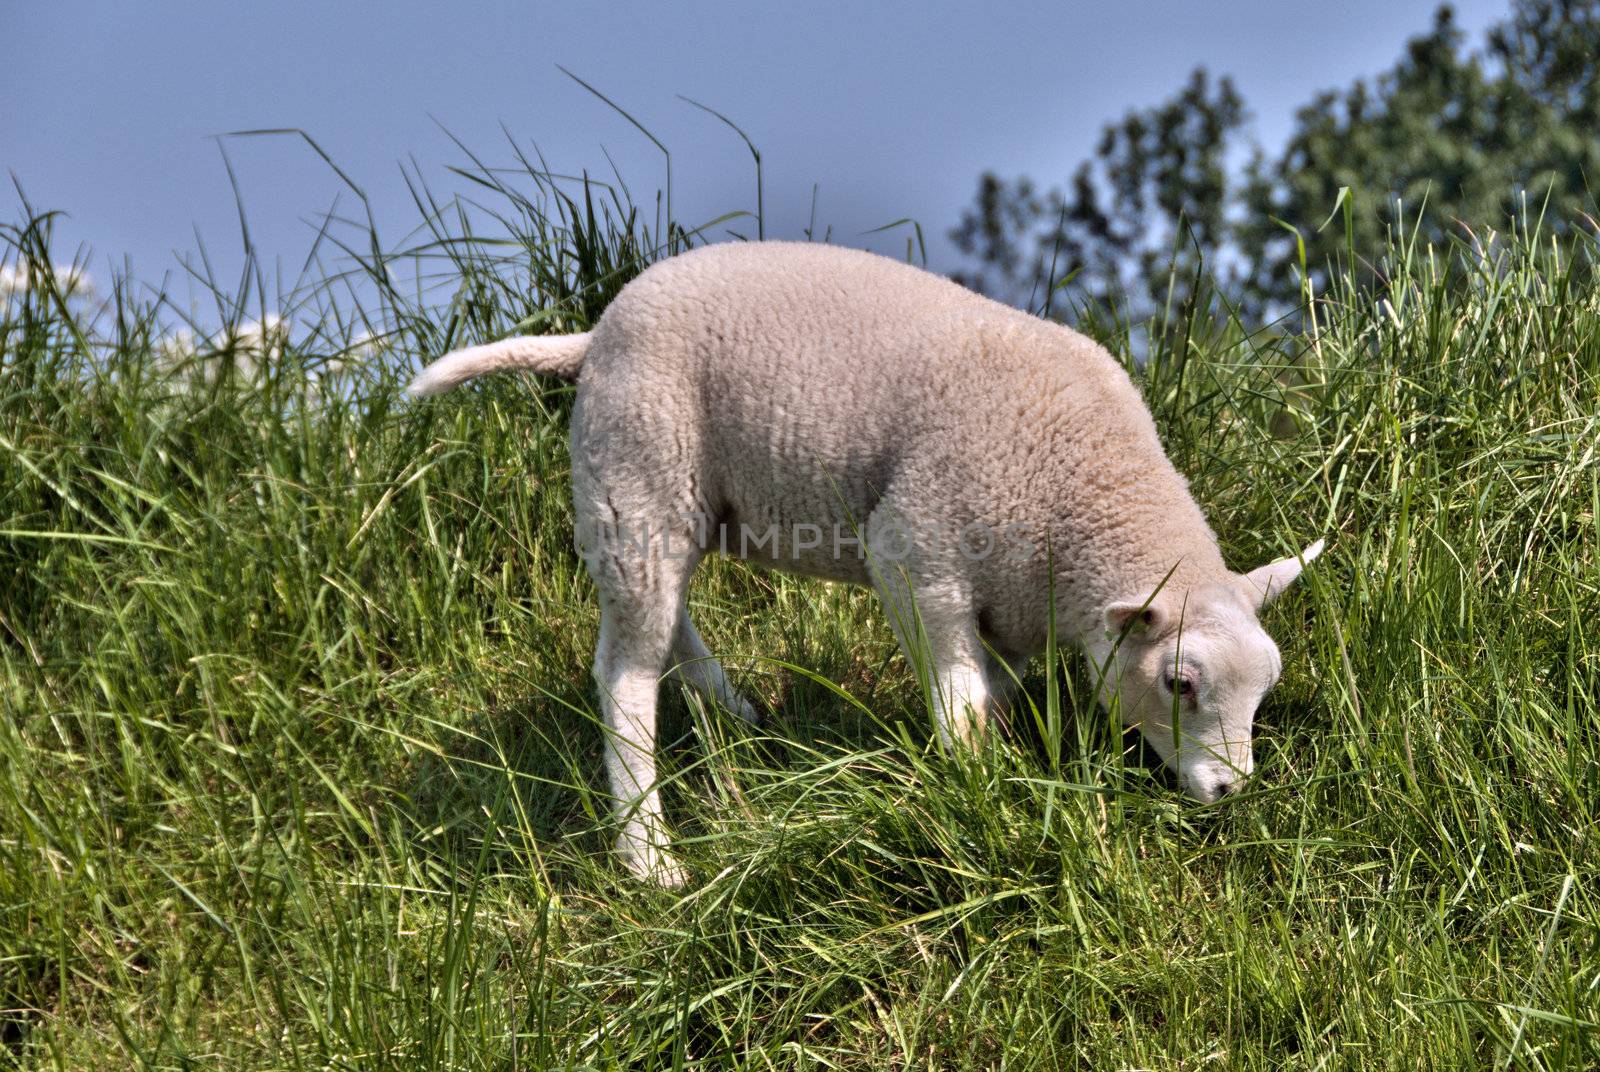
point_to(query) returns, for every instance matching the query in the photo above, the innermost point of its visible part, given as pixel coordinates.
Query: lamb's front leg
(938, 633)
(1004, 671)
(963, 694)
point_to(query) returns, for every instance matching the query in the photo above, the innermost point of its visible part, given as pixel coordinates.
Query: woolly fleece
(791, 389)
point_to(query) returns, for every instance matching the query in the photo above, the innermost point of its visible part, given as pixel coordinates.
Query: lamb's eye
(1179, 684)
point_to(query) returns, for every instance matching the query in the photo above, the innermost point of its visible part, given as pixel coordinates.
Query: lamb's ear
(1268, 582)
(1136, 616)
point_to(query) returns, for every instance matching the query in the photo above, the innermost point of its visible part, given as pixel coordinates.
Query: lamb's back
(801, 347)
(817, 378)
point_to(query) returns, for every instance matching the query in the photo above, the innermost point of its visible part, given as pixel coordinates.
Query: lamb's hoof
(746, 710)
(649, 863)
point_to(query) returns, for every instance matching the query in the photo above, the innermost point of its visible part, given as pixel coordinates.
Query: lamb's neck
(1125, 563)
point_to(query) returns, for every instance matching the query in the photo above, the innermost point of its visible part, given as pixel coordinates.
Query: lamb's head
(1192, 666)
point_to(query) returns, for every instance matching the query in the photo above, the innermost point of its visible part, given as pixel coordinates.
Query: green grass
(299, 766)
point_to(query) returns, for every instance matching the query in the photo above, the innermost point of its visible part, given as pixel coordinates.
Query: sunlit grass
(299, 765)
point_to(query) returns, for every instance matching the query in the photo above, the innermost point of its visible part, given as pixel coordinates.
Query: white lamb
(835, 413)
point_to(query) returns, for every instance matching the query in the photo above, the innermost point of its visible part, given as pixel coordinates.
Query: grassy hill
(299, 766)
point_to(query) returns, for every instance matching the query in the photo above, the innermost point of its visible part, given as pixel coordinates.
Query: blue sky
(893, 108)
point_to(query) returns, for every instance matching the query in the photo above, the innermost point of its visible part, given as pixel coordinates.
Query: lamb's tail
(552, 355)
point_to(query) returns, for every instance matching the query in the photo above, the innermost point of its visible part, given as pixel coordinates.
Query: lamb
(838, 414)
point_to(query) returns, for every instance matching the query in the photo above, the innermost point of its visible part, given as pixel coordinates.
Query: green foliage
(1137, 216)
(299, 765)
(1443, 140)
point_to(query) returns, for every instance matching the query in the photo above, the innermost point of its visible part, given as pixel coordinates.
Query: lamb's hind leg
(639, 606)
(696, 667)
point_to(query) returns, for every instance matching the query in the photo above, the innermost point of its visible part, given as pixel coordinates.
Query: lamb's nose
(1225, 787)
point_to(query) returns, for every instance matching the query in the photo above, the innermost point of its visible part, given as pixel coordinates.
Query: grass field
(299, 766)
